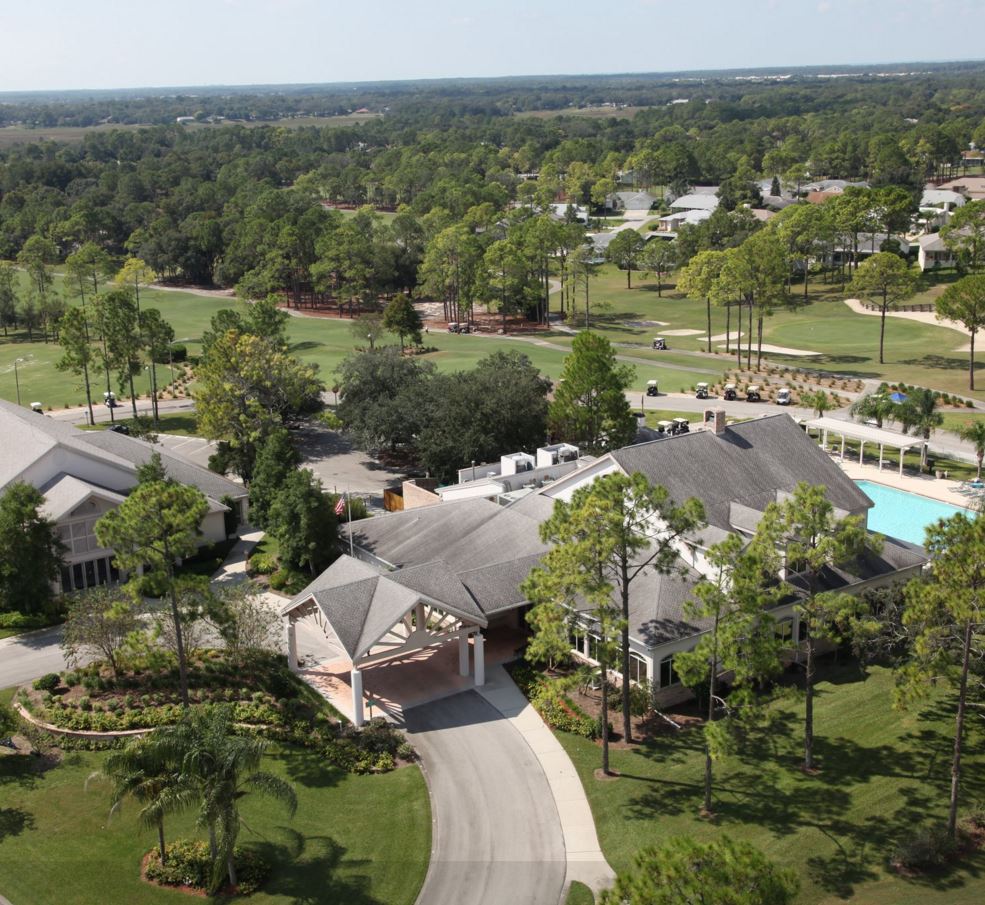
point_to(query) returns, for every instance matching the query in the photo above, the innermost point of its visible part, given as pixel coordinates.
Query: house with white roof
(85, 474)
(933, 253)
(696, 201)
(937, 205)
(453, 571)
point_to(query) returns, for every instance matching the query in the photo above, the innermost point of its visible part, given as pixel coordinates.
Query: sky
(78, 44)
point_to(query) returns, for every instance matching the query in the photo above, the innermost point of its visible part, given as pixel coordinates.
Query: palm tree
(873, 407)
(819, 400)
(138, 772)
(223, 768)
(919, 414)
(974, 433)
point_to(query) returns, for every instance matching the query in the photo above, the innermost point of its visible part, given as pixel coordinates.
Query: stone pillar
(292, 645)
(357, 696)
(463, 654)
(480, 659)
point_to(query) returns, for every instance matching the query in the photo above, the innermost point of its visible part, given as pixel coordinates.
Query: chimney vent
(715, 418)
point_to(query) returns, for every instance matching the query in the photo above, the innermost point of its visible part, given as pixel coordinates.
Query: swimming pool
(901, 514)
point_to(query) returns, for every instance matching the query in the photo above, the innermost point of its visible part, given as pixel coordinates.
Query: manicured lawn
(579, 894)
(183, 424)
(916, 353)
(363, 840)
(882, 773)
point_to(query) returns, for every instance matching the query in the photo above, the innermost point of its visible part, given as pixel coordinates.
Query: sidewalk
(941, 489)
(233, 568)
(585, 861)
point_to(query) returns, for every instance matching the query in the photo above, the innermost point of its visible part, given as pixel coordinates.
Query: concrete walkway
(941, 489)
(585, 861)
(496, 836)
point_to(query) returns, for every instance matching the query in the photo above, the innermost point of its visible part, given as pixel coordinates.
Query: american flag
(340, 505)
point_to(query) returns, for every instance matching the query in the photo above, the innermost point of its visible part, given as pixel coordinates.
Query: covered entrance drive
(394, 619)
(864, 433)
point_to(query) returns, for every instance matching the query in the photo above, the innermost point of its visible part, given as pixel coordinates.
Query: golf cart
(37, 407)
(660, 344)
(783, 396)
(680, 426)
(730, 394)
(752, 394)
(665, 427)
(454, 326)
(701, 391)
(110, 399)
(651, 388)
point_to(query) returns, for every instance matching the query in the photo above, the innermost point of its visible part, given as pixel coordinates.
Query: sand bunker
(783, 350)
(923, 317)
(721, 337)
(681, 332)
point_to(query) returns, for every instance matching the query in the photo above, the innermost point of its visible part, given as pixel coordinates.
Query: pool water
(901, 514)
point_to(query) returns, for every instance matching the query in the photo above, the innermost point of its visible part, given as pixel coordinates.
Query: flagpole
(348, 506)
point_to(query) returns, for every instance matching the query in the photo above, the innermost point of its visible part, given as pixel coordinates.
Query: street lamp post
(17, 381)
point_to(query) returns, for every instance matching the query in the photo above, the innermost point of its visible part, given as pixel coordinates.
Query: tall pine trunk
(952, 812)
(604, 672)
(809, 702)
(708, 311)
(627, 717)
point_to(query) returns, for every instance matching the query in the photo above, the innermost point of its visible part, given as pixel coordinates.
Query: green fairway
(882, 774)
(847, 342)
(354, 839)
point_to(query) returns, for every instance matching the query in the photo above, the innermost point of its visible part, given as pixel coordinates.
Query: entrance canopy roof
(865, 433)
(362, 606)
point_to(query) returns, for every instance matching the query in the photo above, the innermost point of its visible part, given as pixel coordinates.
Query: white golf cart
(753, 394)
(730, 394)
(651, 388)
(783, 396)
(660, 344)
(701, 391)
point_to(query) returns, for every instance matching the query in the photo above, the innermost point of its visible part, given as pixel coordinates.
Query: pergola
(864, 433)
(377, 617)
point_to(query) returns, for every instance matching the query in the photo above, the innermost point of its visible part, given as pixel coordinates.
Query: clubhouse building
(452, 572)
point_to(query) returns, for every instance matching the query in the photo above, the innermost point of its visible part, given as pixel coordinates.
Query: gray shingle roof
(747, 464)
(28, 437)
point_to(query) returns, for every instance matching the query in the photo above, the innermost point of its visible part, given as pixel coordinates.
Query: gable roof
(747, 464)
(28, 437)
(695, 201)
(65, 493)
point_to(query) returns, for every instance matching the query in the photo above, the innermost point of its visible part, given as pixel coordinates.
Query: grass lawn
(182, 424)
(579, 894)
(882, 774)
(363, 840)
(916, 353)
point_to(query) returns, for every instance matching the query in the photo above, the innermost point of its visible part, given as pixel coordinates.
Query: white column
(902, 451)
(480, 659)
(357, 696)
(861, 450)
(880, 457)
(824, 439)
(292, 645)
(463, 654)
(842, 447)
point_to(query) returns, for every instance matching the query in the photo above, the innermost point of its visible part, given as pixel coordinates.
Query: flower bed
(189, 866)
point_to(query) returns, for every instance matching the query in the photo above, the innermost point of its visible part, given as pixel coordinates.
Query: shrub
(71, 679)
(279, 580)
(405, 751)
(927, 848)
(179, 352)
(48, 682)
(385, 763)
(262, 563)
(189, 864)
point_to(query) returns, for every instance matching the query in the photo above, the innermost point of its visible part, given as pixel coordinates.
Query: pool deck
(940, 489)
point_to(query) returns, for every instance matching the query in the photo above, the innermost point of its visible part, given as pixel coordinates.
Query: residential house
(937, 205)
(696, 200)
(84, 474)
(633, 205)
(932, 253)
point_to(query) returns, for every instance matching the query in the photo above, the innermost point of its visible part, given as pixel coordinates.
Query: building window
(668, 675)
(592, 649)
(802, 632)
(638, 668)
(66, 580)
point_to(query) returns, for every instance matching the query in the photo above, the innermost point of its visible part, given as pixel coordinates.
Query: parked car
(783, 397)
(753, 394)
(660, 344)
(651, 388)
(702, 391)
(120, 429)
(730, 392)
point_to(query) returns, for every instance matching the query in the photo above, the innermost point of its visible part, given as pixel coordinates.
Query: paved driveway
(497, 837)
